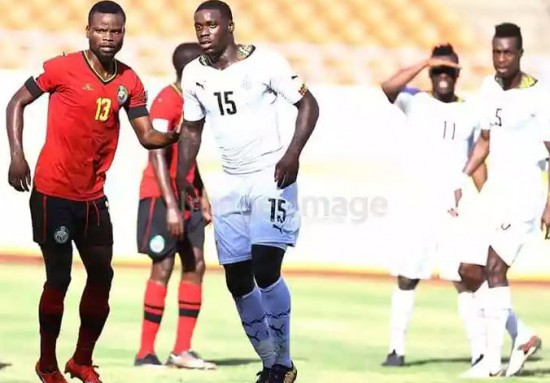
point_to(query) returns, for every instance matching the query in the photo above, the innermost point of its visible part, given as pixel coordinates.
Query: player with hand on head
(446, 127)
(160, 232)
(255, 213)
(87, 91)
(516, 131)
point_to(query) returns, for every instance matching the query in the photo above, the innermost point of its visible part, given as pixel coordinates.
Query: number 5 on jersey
(103, 107)
(225, 102)
(498, 118)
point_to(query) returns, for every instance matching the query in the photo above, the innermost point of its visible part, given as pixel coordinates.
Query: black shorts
(59, 221)
(153, 237)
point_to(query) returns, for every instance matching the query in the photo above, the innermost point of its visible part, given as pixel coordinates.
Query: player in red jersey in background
(159, 232)
(87, 91)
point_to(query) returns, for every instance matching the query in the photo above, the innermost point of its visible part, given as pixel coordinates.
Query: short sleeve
(543, 118)
(404, 99)
(137, 100)
(192, 108)
(48, 81)
(283, 79)
(164, 113)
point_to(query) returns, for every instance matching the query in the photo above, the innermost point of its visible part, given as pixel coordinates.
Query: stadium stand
(341, 42)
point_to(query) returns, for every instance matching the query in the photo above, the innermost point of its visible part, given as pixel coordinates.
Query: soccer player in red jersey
(159, 235)
(87, 91)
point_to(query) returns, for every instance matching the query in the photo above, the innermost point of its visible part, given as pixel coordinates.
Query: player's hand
(173, 136)
(189, 196)
(286, 170)
(545, 222)
(19, 174)
(436, 61)
(453, 211)
(174, 222)
(206, 209)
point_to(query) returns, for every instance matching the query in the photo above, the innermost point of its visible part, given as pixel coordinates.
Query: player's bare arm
(150, 138)
(545, 219)
(479, 154)
(286, 170)
(393, 86)
(479, 176)
(205, 202)
(19, 175)
(174, 218)
(189, 145)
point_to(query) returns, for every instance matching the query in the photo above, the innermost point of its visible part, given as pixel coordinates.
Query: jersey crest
(122, 95)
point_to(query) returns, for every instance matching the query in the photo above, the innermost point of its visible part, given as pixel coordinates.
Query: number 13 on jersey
(103, 107)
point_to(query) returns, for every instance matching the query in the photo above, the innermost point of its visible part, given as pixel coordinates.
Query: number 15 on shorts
(278, 210)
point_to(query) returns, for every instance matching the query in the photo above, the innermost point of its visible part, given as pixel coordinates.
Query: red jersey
(83, 124)
(166, 113)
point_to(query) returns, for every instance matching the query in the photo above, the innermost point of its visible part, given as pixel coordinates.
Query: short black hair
(218, 5)
(184, 54)
(509, 30)
(444, 50)
(106, 6)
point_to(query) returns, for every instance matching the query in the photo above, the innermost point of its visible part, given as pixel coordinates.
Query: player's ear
(87, 31)
(231, 26)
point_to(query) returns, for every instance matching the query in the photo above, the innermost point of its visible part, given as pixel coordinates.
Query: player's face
(105, 34)
(444, 78)
(212, 31)
(506, 56)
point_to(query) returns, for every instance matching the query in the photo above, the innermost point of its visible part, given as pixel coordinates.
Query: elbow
(389, 92)
(145, 141)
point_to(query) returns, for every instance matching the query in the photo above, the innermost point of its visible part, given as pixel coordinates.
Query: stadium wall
(356, 183)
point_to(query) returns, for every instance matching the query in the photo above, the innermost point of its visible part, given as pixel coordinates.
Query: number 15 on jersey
(226, 102)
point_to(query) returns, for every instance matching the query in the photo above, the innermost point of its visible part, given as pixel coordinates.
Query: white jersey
(238, 102)
(443, 134)
(519, 122)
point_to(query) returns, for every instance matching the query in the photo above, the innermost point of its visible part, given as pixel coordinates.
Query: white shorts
(504, 227)
(250, 209)
(428, 248)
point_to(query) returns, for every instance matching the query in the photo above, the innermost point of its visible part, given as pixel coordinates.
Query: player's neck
(226, 58)
(104, 68)
(511, 82)
(451, 97)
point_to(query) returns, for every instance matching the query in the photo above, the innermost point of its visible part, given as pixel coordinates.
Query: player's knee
(59, 280)
(239, 278)
(266, 264)
(162, 271)
(472, 276)
(58, 261)
(404, 283)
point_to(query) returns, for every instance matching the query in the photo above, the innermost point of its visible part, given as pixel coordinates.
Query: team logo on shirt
(122, 94)
(61, 235)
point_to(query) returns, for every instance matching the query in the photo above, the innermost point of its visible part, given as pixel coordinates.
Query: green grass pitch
(339, 331)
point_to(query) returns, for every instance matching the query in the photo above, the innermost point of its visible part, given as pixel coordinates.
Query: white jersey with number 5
(239, 104)
(519, 122)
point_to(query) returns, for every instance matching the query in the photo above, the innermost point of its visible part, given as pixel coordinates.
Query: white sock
(402, 305)
(471, 314)
(497, 308)
(517, 328)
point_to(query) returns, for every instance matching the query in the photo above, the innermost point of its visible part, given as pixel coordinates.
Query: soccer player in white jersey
(516, 131)
(445, 128)
(234, 88)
